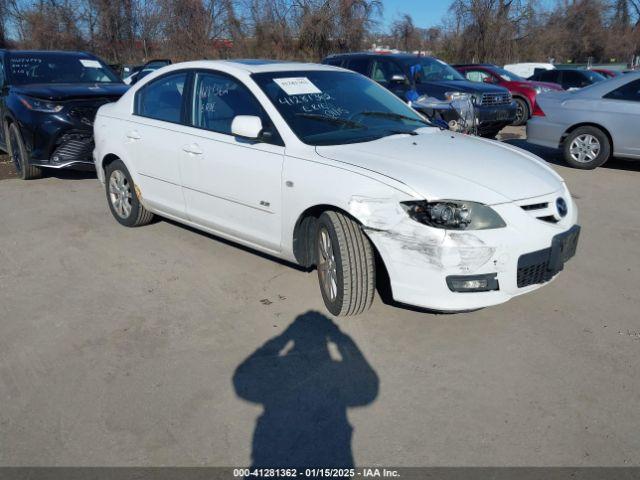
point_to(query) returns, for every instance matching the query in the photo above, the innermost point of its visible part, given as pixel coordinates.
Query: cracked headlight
(454, 215)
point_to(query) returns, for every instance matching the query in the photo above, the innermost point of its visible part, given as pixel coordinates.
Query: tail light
(537, 111)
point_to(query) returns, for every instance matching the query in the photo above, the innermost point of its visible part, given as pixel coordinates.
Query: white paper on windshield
(297, 85)
(90, 63)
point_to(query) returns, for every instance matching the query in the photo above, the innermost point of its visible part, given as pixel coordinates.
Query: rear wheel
(122, 197)
(522, 112)
(346, 265)
(19, 155)
(587, 148)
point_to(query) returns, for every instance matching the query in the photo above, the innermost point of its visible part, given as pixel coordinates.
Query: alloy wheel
(585, 148)
(327, 265)
(519, 114)
(16, 152)
(120, 194)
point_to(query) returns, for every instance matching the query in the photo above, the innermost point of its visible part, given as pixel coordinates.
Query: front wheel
(587, 148)
(122, 197)
(20, 156)
(522, 112)
(346, 267)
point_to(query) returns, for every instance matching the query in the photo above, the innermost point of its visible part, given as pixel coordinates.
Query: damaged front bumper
(422, 261)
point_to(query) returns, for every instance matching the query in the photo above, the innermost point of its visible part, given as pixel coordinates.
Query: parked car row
(411, 76)
(323, 167)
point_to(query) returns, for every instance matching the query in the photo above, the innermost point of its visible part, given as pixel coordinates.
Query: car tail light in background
(537, 111)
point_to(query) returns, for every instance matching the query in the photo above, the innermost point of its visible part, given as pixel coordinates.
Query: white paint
(90, 63)
(220, 190)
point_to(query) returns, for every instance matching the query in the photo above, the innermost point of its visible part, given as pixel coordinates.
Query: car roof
(401, 56)
(242, 67)
(486, 65)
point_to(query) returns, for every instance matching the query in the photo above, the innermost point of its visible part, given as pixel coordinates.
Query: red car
(606, 73)
(524, 92)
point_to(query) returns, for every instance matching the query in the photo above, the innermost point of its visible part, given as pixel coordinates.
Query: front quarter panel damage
(403, 241)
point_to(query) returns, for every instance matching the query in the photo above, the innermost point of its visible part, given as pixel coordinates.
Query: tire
(122, 197)
(586, 148)
(490, 134)
(522, 114)
(348, 282)
(19, 155)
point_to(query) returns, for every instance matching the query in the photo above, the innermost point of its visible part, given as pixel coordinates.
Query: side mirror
(399, 79)
(246, 126)
(488, 80)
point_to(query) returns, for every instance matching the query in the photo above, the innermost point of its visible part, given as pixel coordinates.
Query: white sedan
(323, 167)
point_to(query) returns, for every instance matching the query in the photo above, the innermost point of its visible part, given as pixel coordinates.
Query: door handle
(133, 135)
(194, 149)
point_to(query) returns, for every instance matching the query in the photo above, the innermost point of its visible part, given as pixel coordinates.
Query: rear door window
(476, 75)
(162, 99)
(549, 76)
(571, 79)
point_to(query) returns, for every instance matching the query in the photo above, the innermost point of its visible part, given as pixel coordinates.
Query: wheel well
(587, 124)
(526, 100)
(303, 234)
(305, 253)
(108, 159)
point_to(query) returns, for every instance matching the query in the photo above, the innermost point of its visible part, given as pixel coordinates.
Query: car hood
(439, 88)
(72, 91)
(443, 165)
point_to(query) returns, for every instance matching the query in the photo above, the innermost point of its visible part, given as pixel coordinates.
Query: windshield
(506, 75)
(426, 69)
(594, 76)
(334, 108)
(58, 68)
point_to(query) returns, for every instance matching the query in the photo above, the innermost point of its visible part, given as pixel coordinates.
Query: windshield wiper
(396, 116)
(334, 120)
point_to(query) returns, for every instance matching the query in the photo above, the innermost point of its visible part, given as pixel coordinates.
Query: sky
(425, 13)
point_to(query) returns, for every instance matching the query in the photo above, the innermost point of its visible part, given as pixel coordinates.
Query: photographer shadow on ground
(305, 378)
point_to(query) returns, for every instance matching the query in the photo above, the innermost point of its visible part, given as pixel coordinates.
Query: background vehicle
(525, 70)
(523, 91)
(412, 76)
(606, 72)
(568, 78)
(324, 167)
(591, 124)
(48, 102)
(138, 73)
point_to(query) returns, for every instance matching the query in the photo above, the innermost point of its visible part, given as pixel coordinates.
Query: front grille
(533, 268)
(73, 147)
(490, 99)
(85, 112)
(535, 206)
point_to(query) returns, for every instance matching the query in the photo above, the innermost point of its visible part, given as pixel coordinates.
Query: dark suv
(48, 101)
(568, 78)
(410, 76)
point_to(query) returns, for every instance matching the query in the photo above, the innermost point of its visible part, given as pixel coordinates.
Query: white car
(525, 70)
(323, 167)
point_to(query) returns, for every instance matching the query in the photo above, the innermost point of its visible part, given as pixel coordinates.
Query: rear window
(162, 98)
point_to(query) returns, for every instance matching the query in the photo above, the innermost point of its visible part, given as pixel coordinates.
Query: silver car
(592, 124)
